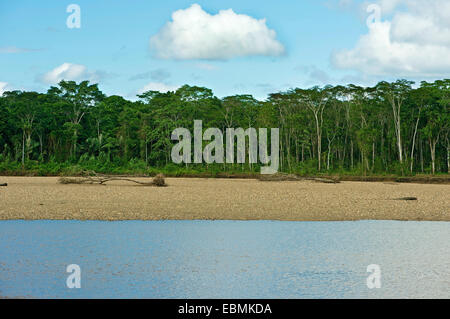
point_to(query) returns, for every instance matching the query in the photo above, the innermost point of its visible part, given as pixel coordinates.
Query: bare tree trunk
(23, 148)
(281, 153)
(399, 145)
(319, 140)
(328, 157)
(75, 137)
(146, 153)
(448, 156)
(351, 154)
(447, 139)
(433, 155)
(373, 155)
(28, 146)
(303, 152)
(421, 156)
(330, 142)
(382, 146)
(288, 149)
(414, 142)
(396, 107)
(41, 144)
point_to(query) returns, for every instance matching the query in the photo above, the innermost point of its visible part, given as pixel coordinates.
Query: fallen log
(279, 177)
(406, 198)
(4, 184)
(323, 180)
(94, 178)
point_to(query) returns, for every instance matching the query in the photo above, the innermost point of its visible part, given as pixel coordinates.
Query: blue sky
(315, 43)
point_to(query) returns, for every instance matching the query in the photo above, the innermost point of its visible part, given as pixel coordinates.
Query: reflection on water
(224, 259)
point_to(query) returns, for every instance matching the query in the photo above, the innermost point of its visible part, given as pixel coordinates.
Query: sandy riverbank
(238, 199)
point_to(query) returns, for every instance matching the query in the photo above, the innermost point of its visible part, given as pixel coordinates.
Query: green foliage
(331, 130)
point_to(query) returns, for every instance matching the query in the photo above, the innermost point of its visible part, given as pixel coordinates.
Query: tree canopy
(389, 128)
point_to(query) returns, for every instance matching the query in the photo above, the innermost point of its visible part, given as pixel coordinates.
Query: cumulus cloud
(71, 72)
(3, 87)
(196, 34)
(157, 86)
(414, 42)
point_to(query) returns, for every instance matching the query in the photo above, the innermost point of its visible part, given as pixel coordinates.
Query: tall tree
(396, 93)
(79, 99)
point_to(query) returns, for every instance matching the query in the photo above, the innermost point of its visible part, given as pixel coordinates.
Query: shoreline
(225, 220)
(35, 198)
(443, 179)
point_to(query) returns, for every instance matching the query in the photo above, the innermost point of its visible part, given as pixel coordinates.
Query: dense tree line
(388, 128)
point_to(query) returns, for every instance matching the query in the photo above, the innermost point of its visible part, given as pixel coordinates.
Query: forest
(398, 128)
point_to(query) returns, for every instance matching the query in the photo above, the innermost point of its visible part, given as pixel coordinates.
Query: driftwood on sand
(3, 184)
(406, 198)
(91, 177)
(279, 177)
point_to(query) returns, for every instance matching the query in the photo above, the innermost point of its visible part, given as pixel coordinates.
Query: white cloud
(158, 86)
(71, 72)
(388, 6)
(196, 34)
(414, 42)
(66, 71)
(3, 87)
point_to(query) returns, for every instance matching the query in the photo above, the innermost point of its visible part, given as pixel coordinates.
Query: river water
(224, 259)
